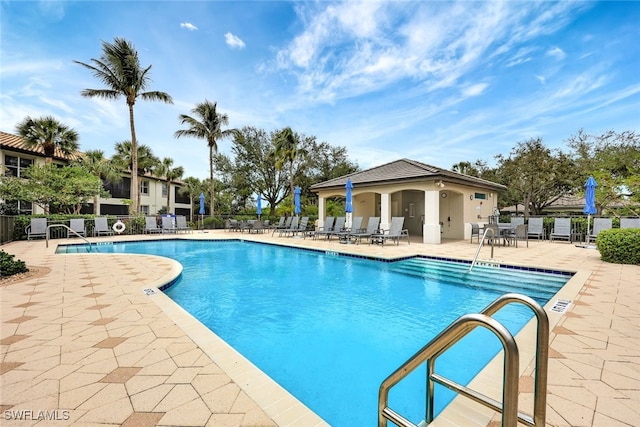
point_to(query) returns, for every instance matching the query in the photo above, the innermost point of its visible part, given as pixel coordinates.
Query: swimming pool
(330, 328)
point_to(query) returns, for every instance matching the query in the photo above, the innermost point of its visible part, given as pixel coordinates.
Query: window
(144, 209)
(144, 187)
(164, 189)
(15, 166)
(18, 207)
(480, 196)
(119, 190)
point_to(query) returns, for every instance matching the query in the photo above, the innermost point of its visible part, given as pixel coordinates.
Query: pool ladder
(454, 333)
(481, 243)
(68, 229)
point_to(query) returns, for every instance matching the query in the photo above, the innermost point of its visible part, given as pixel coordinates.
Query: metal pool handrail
(68, 228)
(452, 334)
(475, 257)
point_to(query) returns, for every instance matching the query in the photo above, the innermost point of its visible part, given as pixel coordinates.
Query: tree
(255, 171)
(49, 134)
(120, 71)
(98, 165)
(207, 124)
(287, 151)
(123, 158)
(164, 170)
(613, 159)
(535, 175)
(52, 187)
(192, 188)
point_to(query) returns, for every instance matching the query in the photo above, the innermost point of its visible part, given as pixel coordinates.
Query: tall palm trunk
(293, 197)
(168, 196)
(212, 181)
(135, 196)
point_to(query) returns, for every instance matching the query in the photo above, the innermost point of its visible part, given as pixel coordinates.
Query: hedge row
(620, 246)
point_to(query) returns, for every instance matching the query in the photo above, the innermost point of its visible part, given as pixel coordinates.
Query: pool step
(540, 287)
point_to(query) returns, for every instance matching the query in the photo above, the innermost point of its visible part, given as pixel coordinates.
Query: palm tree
(206, 125)
(287, 151)
(49, 134)
(98, 165)
(192, 187)
(120, 71)
(123, 159)
(164, 169)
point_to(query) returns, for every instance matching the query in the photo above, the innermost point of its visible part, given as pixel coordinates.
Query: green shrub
(9, 266)
(620, 246)
(213, 222)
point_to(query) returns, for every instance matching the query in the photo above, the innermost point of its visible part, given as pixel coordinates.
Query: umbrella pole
(588, 227)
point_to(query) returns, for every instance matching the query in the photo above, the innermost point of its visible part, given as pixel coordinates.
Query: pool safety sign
(561, 305)
(149, 291)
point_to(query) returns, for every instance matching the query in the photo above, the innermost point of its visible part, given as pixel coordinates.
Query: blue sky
(434, 81)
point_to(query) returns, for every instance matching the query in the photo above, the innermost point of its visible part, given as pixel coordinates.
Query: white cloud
(541, 79)
(474, 90)
(188, 25)
(233, 41)
(557, 53)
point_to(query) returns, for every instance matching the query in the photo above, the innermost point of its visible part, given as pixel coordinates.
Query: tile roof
(404, 170)
(16, 143)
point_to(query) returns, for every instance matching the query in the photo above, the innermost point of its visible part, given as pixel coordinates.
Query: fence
(7, 224)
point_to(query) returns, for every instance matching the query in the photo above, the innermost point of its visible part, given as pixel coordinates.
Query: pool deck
(87, 342)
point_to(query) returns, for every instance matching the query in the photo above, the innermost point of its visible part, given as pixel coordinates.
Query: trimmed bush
(9, 266)
(620, 246)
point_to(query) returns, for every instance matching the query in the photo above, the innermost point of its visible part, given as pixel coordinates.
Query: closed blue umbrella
(259, 207)
(590, 202)
(348, 207)
(296, 201)
(202, 210)
(201, 203)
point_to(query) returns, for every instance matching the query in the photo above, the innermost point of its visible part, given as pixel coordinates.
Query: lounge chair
(325, 229)
(475, 232)
(394, 233)
(561, 229)
(77, 225)
(519, 233)
(37, 228)
(629, 222)
(167, 225)
(257, 227)
(151, 225)
(302, 227)
(356, 226)
(338, 227)
(230, 225)
(181, 224)
(535, 228)
(600, 224)
(101, 226)
(293, 226)
(279, 227)
(372, 228)
(516, 221)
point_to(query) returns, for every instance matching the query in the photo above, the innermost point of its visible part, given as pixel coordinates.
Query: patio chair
(516, 221)
(302, 227)
(338, 227)
(77, 225)
(280, 227)
(394, 233)
(37, 228)
(629, 222)
(494, 237)
(519, 233)
(257, 227)
(475, 232)
(151, 225)
(325, 229)
(181, 224)
(372, 228)
(535, 227)
(293, 226)
(167, 225)
(356, 225)
(230, 225)
(561, 229)
(101, 227)
(600, 224)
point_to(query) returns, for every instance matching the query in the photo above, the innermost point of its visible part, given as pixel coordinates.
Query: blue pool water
(331, 328)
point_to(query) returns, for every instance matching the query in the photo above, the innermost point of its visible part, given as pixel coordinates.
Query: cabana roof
(403, 171)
